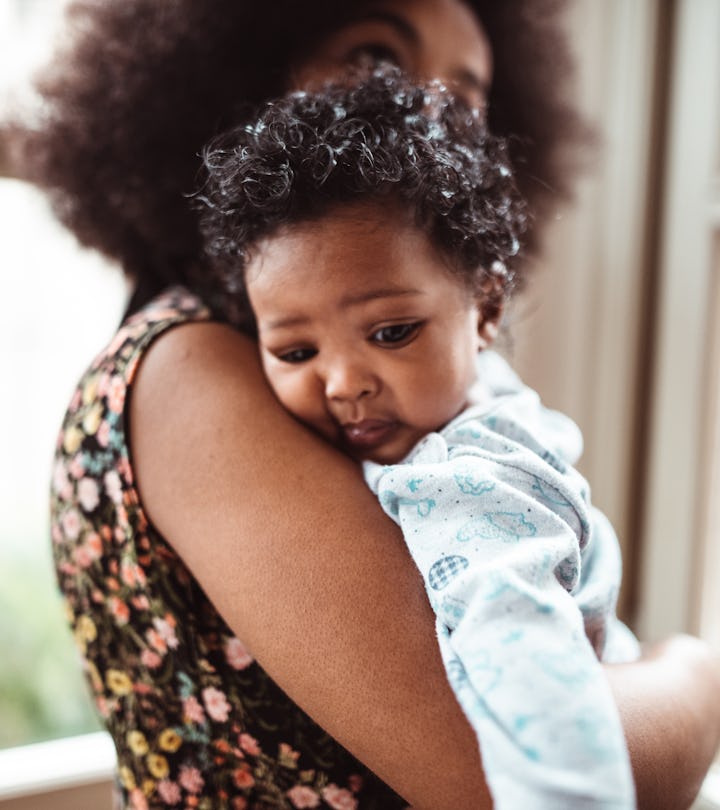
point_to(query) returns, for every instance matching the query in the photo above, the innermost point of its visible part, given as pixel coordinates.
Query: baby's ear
(491, 303)
(488, 323)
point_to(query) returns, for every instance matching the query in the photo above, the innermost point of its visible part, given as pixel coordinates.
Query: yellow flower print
(137, 743)
(158, 766)
(90, 390)
(85, 631)
(118, 682)
(85, 628)
(148, 786)
(92, 419)
(127, 779)
(170, 740)
(72, 440)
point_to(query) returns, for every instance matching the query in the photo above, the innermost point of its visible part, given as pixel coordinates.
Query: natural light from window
(60, 305)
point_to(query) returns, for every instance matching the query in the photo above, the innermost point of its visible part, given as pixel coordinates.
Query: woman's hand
(670, 707)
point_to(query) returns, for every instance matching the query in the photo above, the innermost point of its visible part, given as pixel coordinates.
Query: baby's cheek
(299, 395)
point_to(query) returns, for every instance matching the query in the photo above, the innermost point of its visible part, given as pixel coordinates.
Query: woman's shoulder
(171, 308)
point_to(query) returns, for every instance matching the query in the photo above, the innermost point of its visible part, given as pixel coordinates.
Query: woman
(178, 525)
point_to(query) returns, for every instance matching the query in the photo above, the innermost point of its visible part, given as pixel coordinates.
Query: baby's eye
(296, 355)
(396, 334)
(373, 53)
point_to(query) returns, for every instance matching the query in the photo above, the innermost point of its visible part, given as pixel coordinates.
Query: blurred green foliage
(42, 690)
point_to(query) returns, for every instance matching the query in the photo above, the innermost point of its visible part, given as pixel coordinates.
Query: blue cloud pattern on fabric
(505, 526)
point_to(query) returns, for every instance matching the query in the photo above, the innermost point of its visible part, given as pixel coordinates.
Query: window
(680, 587)
(60, 305)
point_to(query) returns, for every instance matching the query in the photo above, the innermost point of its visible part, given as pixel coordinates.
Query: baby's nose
(350, 381)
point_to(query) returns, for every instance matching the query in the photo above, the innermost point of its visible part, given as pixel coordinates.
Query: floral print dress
(195, 720)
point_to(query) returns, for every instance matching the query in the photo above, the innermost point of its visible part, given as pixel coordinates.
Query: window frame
(682, 476)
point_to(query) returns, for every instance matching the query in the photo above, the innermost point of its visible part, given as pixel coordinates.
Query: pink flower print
(339, 798)
(116, 394)
(142, 689)
(243, 778)
(83, 557)
(131, 574)
(113, 486)
(169, 791)
(88, 494)
(192, 710)
(249, 745)
(236, 654)
(71, 524)
(77, 468)
(355, 782)
(61, 481)
(191, 779)
(302, 797)
(239, 803)
(55, 533)
(156, 640)
(140, 602)
(166, 629)
(103, 384)
(127, 572)
(94, 543)
(125, 470)
(91, 550)
(150, 659)
(119, 610)
(138, 800)
(103, 434)
(67, 568)
(216, 704)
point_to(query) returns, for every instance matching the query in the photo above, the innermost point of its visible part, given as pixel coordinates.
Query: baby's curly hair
(141, 85)
(379, 139)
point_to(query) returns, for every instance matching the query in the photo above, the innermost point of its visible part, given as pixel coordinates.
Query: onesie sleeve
(496, 531)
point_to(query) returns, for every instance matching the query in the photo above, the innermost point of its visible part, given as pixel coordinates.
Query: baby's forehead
(357, 230)
(354, 256)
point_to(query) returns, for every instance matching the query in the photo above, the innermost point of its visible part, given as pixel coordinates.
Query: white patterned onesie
(521, 572)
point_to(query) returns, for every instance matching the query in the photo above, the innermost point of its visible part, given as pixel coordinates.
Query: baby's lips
(368, 432)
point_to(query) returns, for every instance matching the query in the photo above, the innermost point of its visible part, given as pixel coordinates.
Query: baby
(369, 233)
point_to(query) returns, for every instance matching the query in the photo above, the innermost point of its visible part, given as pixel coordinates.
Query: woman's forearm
(669, 703)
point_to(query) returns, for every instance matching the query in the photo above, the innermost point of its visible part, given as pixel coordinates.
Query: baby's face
(364, 333)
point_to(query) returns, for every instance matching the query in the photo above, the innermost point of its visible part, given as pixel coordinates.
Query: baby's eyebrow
(285, 323)
(371, 295)
(352, 299)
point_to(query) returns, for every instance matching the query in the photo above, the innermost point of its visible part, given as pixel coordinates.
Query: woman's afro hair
(139, 86)
(376, 138)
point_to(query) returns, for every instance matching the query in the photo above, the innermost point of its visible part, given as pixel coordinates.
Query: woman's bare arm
(290, 545)
(670, 707)
(294, 551)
